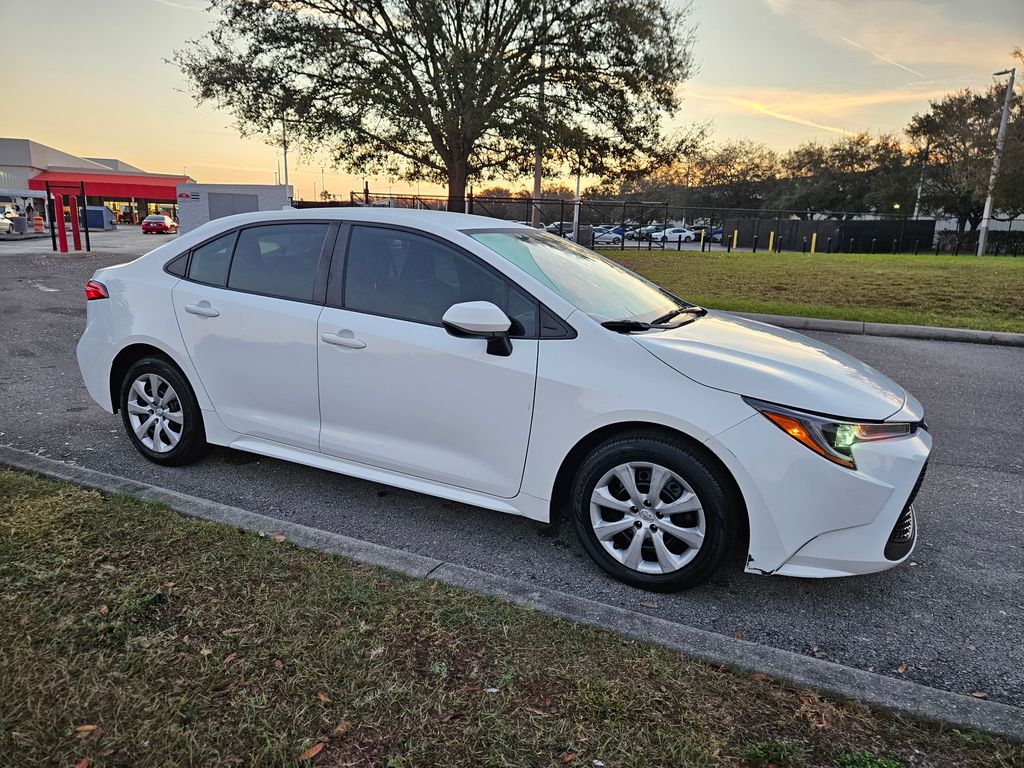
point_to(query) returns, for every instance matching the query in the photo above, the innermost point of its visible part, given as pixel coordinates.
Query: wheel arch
(562, 489)
(127, 357)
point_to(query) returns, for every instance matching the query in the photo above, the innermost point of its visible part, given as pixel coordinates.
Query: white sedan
(496, 365)
(674, 235)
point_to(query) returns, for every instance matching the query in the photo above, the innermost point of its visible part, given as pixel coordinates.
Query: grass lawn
(952, 291)
(132, 636)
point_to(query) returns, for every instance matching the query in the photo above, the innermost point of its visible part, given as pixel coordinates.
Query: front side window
(278, 260)
(210, 261)
(411, 277)
(598, 286)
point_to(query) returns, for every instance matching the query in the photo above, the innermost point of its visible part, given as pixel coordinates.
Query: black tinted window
(178, 265)
(278, 260)
(403, 275)
(210, 261)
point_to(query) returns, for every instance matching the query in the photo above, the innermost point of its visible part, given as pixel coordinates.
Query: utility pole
(323, 187)
(1000, 137)
(284, 142)
(538, 157)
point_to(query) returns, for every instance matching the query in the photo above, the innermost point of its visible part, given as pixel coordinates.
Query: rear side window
(278, 260)
(210, 262)
(178, 266)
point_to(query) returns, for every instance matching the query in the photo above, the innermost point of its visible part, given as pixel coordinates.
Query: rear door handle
(338, 340)
(203, 310)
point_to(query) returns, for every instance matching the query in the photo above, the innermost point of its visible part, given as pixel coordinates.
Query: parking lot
(954, 616)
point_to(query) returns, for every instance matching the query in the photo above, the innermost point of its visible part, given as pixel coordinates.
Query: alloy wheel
(647, 517)
(154, 412)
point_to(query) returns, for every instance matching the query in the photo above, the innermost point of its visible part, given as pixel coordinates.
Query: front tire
(160, 413)
(653, 512)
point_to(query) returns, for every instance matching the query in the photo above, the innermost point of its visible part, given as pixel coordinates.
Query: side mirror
(480, 320)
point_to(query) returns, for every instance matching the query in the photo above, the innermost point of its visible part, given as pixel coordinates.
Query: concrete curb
(899, 696)
(931, 332)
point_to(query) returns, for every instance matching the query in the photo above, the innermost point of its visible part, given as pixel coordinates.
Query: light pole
(538, 156)
(1000, 137)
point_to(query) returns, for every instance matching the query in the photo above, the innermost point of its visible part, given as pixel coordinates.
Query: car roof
(434, 220)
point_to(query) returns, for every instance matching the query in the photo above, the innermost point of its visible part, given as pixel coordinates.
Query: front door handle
(203, 309)
(349, 340)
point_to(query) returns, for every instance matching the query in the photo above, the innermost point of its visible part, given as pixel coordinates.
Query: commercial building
(131, 193)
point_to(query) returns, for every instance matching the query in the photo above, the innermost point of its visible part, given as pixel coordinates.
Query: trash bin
(20, 225)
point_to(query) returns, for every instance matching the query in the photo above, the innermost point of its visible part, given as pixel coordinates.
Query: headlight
(831, 438)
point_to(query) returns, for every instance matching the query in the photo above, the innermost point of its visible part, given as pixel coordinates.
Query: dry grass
(952, 291)
(135, 637)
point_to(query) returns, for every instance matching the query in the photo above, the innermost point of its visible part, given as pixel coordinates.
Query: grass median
(134, 636)
(951, 291)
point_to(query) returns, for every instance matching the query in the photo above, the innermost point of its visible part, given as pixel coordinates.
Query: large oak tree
(447, 90)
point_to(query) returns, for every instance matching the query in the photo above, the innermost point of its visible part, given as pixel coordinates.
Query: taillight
(95, 290)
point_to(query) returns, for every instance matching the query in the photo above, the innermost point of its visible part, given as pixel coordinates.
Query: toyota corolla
(497, 365)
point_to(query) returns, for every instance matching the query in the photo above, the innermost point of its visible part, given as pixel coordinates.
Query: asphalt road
(954, 616)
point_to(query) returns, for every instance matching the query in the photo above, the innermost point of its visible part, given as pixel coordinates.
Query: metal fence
(644, 225)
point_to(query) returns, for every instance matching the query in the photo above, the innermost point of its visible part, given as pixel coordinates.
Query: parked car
(6, 226)
(159, 224)
(494, 365)
(716, 234)
(675, 234)
(606, 237)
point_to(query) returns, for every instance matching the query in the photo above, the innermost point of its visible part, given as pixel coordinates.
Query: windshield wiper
(693, 310)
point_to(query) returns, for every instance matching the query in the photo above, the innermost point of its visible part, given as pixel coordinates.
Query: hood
(783, 367)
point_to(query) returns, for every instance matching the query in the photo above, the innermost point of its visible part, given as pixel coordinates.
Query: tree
(959, 133)
(735, 174)
(447, 90)
(853, 174)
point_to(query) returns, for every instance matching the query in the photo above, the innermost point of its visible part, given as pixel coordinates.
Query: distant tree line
(946, 151)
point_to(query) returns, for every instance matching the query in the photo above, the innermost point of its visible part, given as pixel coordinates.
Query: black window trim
(323, 265)
(339, 275)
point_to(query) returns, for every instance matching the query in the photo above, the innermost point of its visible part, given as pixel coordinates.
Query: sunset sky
(91, 77)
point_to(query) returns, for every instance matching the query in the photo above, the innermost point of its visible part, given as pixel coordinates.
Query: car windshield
(596, 285)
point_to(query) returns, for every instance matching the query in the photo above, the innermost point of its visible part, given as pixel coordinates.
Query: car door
(397, 391)
(248, 311)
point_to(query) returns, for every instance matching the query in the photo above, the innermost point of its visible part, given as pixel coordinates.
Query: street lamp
(1000, 137)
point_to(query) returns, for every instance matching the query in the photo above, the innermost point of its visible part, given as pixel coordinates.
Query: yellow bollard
(702, 239)
(814, 242)
(771, 241)
(735, 236)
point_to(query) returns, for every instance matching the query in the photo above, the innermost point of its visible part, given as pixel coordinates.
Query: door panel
(256, 359)
(417, 400)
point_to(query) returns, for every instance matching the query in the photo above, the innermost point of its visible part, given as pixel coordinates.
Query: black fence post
(803, 245)
(561, 218)
(917, 247)
(622, 240)
(895, 246)
(828, 245)
(938, 244)
(754, 244)
(956, 244)
(874, 242)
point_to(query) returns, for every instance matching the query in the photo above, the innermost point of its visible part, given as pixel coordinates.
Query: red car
(161, 224)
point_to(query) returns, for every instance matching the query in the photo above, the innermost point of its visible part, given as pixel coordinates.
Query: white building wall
(194, 200)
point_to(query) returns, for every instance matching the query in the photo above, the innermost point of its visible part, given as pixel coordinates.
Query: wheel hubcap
(154, 412)
(647, 517)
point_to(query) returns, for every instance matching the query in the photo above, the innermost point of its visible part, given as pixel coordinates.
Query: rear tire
(685, 526)
(160, 413)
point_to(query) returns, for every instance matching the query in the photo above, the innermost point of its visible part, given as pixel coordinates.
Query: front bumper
(812, 518)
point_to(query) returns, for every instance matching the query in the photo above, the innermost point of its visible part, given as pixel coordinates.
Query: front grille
(901, 540)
